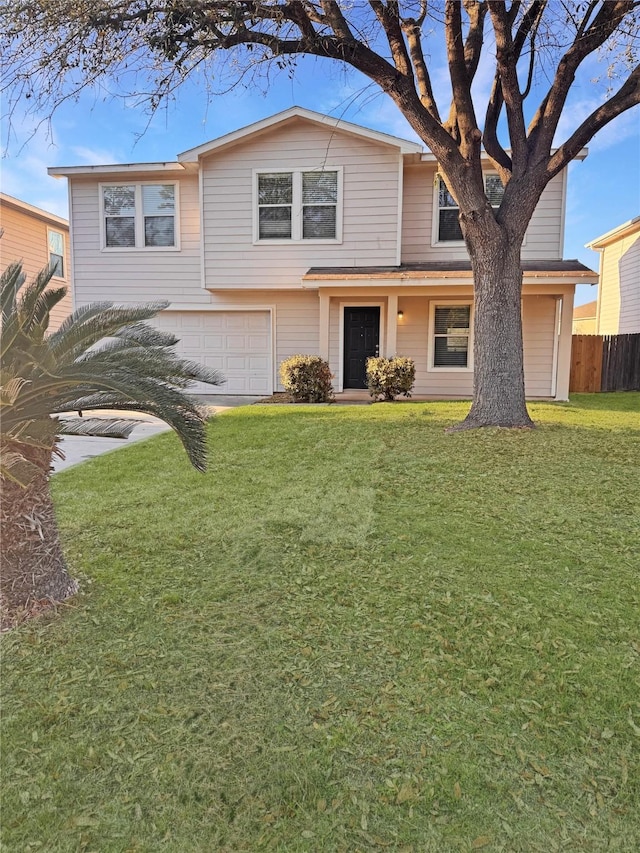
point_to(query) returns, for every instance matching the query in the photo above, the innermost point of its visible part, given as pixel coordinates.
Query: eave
(113, 169)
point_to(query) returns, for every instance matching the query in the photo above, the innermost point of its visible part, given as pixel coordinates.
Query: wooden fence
(605, 363)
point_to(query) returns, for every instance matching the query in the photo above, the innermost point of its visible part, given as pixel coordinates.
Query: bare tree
(55, 48)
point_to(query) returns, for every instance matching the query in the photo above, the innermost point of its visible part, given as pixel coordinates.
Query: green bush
(388, 377)
(307, 378)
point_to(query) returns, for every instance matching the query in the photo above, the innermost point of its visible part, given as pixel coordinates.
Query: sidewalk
(79, 449)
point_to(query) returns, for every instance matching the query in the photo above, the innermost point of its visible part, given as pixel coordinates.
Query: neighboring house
(38, 239)
(304, 234)
(618, 309)
(584, 318)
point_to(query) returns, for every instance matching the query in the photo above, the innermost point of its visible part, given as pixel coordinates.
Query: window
(451, 337)
(298, 205)
(56, 253)
(449, 230)
(139, 216)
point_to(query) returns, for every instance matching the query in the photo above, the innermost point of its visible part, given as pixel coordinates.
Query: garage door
(237, 343)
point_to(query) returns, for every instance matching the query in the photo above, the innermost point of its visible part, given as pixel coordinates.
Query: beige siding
(233, 337)
(25, 239)
(619, 301)
(135, 275)
(370, 206)
(539, 332)
(543, 239)
(413, 333)
(413, 341)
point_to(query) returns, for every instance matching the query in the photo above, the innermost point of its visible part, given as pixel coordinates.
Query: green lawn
(355, 633)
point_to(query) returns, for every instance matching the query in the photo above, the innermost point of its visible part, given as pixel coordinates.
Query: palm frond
(102, 357)
(11, 281)
(15, 468)
(98, 427)
(69, 343)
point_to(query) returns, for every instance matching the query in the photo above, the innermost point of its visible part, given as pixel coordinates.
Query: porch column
(392, 325)
(564, 347)
(324, 326)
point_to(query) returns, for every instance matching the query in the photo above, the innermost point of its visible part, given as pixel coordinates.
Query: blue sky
(604, 190)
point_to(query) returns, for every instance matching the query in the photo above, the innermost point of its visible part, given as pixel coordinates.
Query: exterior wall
(543, 239)
(539, 333)
(619, 291)
(370, 207)
(584, 326)
(135, 275)
(294, 325)
(25, 238)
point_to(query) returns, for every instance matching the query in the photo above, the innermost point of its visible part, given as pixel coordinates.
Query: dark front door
(361, 340)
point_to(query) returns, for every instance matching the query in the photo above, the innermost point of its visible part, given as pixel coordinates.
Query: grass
(355, 633)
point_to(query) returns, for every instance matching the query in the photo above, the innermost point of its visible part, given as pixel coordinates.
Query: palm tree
(102, 357)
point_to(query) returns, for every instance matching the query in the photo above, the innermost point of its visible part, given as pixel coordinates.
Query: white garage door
(237, 343)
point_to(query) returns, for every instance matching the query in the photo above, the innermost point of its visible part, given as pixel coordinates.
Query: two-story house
(304, 234)
(38, 239)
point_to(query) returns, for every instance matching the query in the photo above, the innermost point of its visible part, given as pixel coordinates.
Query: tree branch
(588, 39)
(627, 97)
(389, 18)
(507, 67)
(526, 29)
(461, 124)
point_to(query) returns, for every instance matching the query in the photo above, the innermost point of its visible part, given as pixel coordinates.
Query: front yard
(354, 633)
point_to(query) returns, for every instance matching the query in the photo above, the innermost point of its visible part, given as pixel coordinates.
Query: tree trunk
(498, 397)
(33, 565)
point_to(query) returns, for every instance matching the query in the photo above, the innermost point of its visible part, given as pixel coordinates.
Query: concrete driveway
(79, 449)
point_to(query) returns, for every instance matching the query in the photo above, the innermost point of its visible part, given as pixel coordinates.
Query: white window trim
(431, 347)
(62, 277)
(296, 207)
(435, 219)
(139, 217)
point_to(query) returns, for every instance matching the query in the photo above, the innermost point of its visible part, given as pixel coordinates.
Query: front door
(361, 340)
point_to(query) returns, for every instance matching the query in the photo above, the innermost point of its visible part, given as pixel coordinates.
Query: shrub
(307, 378)
(388, 377)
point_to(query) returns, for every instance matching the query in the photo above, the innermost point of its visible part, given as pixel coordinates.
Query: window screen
(275, 199)
(120, 213)
(451, 336)
(319, 204)
(158, 206)
(56, 253)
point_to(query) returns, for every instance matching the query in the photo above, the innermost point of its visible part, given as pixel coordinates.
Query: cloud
(619, 130)
(86, 156)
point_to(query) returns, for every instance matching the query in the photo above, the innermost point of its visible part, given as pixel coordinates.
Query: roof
(617, 233)
(405, 146)
(586, 311)
(32, 210)
(445, 269)
(113, 168)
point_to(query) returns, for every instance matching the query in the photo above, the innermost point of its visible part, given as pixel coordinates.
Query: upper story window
(448, 227)
(56, 252)
(138, 216)
(298, 205)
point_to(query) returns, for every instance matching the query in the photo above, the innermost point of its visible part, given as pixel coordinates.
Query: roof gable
(404, 145)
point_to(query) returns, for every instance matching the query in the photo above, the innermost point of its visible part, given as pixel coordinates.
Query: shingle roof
(431, 269)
